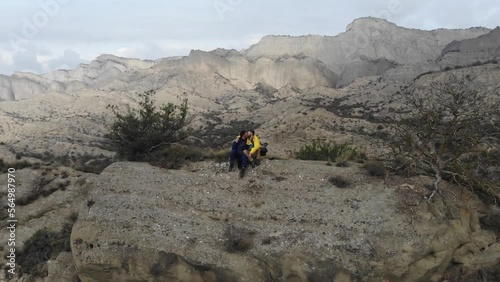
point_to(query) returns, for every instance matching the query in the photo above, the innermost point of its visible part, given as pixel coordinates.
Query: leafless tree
(452, 131)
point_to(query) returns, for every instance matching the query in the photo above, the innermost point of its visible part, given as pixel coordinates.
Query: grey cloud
(26, 58)
(151, 23)
(69, 59)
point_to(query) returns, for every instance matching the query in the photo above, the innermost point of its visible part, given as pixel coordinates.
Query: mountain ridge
(335, 61)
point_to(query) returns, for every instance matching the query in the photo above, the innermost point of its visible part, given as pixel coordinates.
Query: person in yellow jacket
(253, 142)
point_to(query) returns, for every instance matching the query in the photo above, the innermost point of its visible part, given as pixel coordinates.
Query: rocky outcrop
(103, 70)
(17, 87)
(47, 198)
(284, 222)
(365, 67)
(301, 71)
(472, 51)
(365, 39)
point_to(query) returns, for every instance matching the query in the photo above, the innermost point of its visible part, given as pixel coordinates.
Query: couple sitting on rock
(245, 148)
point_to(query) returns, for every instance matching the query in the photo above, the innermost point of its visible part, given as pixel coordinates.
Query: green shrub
(42, 246)
(339, 181)
(140, 132)
(319, 150)
(375, 168)
(36, 251)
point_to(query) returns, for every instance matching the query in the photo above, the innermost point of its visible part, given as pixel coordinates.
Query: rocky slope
(286, 117)
(472, 51)
(284, 222)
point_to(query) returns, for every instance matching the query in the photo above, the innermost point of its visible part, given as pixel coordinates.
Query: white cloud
(5, 58)
(180, 26)
(126, 52)
(68, 60)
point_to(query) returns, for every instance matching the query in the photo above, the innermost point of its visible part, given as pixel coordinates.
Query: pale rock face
(481, 49)
(148, 224)
(19, 87)
(365, 39)
(99, 72)
(302, 72)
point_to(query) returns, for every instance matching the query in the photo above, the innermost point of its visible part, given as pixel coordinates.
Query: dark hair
(253, 132)
(242, 133)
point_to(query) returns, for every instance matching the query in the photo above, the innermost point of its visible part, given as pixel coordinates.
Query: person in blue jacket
(239, 150)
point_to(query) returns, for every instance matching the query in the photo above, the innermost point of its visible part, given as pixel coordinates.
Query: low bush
(343, 164)
(41, 188)
(174, 156)
(339, 181)
(4, 167)
(42, 246)
(320, 150)
(375, 168)
(237, 239)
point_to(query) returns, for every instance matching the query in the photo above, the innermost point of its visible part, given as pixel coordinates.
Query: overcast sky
(43, 35)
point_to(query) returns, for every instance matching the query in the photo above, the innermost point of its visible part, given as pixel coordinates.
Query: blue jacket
(240, 145)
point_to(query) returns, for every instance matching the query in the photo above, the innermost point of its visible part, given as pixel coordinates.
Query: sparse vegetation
(176, 155)
(40, 188)
(339, 181)
(85, 162)
(141, 132)
(4, 167)
(42, 246)
(237, 239)
(451, 133)
(91, 164)
(320, 150)
(375, 168)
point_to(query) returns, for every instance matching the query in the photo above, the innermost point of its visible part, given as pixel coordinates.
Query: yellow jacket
(256, 144)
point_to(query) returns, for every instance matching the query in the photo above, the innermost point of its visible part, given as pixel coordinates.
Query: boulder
(283, 222)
